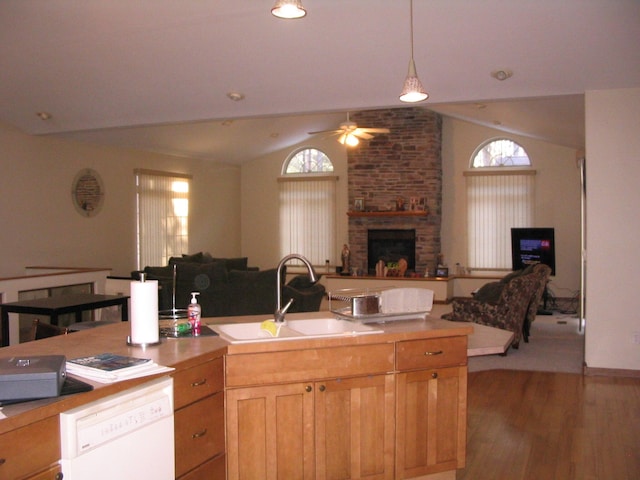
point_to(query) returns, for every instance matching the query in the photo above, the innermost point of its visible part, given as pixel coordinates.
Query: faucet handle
(279, 315)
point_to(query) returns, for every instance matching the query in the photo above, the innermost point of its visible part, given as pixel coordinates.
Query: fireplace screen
(391, 246)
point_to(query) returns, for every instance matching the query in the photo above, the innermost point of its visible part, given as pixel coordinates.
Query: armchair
(508, 312)
(542, 272)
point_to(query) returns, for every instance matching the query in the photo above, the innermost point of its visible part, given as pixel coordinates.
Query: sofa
(229, 287)
(510, 304)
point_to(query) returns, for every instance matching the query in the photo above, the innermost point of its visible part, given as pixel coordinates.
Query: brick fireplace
(404, 164)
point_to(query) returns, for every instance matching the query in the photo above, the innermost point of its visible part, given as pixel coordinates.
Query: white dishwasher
(128, 436)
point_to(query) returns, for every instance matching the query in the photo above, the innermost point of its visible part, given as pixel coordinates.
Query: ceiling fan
(348, 132)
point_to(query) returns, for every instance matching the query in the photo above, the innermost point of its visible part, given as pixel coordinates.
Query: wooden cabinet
(270, 432)
(32, 451)
(431, 406)
(199, 421)
(354, 427)
(329, 426)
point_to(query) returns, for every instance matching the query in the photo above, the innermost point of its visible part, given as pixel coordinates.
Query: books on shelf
(110, 367)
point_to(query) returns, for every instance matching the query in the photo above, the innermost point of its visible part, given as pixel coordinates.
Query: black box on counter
(31, 377)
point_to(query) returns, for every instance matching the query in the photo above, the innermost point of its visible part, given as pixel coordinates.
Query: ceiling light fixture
(348, 139)
(235, 96)
(502, 74)
(288, 9)
(412, 91)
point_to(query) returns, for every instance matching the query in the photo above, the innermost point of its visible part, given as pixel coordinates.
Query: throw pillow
(489, 292)
(234, 263)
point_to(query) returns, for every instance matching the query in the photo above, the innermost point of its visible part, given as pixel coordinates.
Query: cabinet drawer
(198, 382)
(431, 353)
(308, 365)
(30, 449)
(213, 469)
(52, 473)
(199, 432)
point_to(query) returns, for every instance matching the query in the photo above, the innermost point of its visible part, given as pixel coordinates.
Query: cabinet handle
(199, 434)
(2, 460)
(434, 375)
(308, 388)
(322, 388)
(437, 352)
(59, 476)
(199, 383)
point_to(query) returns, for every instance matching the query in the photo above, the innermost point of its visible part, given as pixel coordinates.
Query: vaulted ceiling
(155, 74)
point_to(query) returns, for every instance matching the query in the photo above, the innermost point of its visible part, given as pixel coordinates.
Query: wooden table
(56, 306)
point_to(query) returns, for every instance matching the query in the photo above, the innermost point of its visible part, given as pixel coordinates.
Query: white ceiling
(154, 74)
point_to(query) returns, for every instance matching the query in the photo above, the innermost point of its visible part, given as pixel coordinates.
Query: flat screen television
(533, 245)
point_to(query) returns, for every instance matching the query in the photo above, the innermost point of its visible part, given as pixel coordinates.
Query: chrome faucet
(280, 312)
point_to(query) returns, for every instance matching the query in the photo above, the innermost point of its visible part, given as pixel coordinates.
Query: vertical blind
(162, 214)
(496, 202)
(307, 217)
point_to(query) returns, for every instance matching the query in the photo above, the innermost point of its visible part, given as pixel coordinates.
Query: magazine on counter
(110, 367)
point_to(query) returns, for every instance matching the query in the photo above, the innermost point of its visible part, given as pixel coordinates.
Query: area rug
(555, 345)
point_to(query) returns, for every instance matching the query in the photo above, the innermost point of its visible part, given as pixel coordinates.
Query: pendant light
(412, 91)
(288, 9)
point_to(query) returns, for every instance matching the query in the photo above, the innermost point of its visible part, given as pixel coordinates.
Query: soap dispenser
(194, 311)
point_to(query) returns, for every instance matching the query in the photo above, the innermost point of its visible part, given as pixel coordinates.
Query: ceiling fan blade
(362, 134)
(333, 132)
(374, 130)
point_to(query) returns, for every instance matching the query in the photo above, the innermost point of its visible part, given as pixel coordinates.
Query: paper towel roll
(144, 312)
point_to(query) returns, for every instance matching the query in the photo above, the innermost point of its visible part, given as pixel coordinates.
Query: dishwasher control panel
(95, 424)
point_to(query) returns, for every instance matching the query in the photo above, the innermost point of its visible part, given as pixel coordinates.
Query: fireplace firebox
(390, 245)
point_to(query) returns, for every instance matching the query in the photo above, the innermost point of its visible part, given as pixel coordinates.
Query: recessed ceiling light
(235, 96)
(44, 115)
(502, 74)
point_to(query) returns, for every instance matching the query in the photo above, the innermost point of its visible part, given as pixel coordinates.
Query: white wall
(557, 197)
(260, 202)
(40, 226)
(613, 229)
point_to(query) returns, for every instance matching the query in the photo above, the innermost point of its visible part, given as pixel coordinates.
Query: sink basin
(330, 326)
(251, 332)
(293, 329)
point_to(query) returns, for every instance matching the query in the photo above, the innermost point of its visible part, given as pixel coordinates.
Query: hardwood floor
(540, 425)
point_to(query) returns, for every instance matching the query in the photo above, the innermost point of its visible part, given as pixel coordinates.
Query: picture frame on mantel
(358, 204)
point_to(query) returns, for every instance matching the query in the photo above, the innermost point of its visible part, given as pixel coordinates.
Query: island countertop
(182, 353)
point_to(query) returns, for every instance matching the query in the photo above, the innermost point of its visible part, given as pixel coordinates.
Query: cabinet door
(355, 428)
(431, 421)
(270, 432)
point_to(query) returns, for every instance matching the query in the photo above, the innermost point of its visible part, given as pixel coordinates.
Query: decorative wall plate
(87, 192)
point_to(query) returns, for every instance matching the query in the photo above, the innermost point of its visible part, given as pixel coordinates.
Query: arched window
(307, 160)
(500, 196)
(500, 152)
(308, 206)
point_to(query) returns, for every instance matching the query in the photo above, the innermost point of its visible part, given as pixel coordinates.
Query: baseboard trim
(610, 372)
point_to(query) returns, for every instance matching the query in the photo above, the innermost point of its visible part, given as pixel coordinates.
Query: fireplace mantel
(390, 213)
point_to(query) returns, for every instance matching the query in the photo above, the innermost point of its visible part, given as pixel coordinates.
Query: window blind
(497, 202)
(162, 214)
(307, 217)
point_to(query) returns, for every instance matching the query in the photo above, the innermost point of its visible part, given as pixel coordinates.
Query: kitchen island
(388, 405)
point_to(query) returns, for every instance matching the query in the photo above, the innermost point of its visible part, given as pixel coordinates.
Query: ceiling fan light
(351, 140)
(413, 91)
(288, 9)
